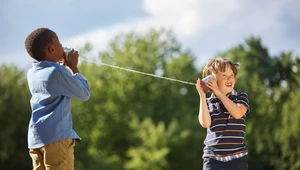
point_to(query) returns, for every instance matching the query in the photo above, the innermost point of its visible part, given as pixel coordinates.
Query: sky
(204, 27)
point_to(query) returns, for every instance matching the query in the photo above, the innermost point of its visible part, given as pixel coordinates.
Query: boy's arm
(236, 110)
(74, 86)
(204, 116)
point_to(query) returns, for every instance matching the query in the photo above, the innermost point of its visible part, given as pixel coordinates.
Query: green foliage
(120, 98)
(14, 118)
(134, 122)
(273, 85)
(152, 148)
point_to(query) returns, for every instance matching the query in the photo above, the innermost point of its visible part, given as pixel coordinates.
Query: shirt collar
(42, 63)
(231, 95)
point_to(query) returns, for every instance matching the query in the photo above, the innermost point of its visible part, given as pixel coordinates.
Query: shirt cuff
(80, 76)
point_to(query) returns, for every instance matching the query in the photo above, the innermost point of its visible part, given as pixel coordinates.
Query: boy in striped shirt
(223, 114)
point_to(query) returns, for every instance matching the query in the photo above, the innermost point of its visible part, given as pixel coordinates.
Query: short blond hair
(219, 65)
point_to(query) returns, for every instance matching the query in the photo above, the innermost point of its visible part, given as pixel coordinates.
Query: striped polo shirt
(225, 137)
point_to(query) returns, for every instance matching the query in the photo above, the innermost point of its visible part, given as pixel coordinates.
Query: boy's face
(226, 80)
(57, 51)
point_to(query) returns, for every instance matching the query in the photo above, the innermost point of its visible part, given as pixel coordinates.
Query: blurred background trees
(134, 122)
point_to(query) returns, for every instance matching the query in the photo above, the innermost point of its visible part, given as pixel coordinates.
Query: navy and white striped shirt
(225, 136)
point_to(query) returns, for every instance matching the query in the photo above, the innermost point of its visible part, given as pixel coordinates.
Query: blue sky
(203, 26)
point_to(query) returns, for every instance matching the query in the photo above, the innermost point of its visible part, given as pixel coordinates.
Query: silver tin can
(205, 79)
(67, 50)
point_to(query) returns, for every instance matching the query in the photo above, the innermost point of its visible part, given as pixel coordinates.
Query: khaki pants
(55, 156)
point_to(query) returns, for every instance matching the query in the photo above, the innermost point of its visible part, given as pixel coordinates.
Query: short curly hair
(219, 64)
(36, 42)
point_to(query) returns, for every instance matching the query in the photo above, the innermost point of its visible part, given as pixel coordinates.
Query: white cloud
(222, 23)
(206, 26)
(189, 18)
(20, 59)
(182, 16)
(186, 17)
(99, 38)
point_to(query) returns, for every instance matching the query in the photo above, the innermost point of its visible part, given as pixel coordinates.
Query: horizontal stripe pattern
(229, 157)
(225, 136)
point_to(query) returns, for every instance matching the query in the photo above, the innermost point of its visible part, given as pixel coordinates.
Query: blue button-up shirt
(52, 86)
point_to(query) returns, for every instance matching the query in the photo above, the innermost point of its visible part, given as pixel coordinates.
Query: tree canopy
(134, 122)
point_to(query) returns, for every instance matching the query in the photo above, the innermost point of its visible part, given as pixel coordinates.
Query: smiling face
(226, 80)
(224, 71)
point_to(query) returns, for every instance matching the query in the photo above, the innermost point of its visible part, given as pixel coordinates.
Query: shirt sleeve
(74, 86)
(243, 99)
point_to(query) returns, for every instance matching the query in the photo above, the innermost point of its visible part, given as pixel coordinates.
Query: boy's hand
(71, 60)
(213, 86)
(200, 86)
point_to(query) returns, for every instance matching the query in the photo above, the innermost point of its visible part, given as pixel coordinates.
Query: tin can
(67, 50)
(205, 79)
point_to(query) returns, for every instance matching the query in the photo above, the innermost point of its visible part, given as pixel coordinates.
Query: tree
(272, 86)
(14, 118)
(119, 98)
(134, 121)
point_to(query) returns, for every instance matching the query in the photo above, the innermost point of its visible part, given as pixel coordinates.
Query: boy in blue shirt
(223, 114)
(51, 138)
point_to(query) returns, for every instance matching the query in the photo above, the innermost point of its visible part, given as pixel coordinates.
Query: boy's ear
(50, 49)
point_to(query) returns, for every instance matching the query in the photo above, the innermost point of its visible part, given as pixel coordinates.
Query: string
(139, 72)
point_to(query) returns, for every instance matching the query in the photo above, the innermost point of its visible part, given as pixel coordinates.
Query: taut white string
(139, 72)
